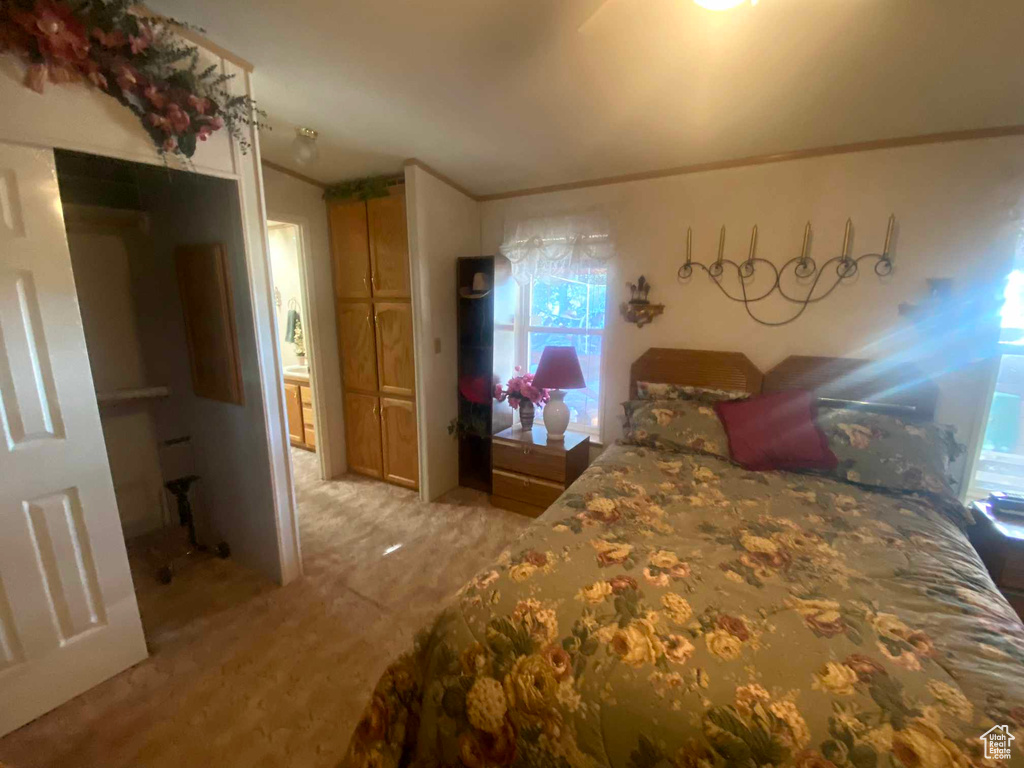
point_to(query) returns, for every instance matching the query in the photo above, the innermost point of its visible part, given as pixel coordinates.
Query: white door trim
(311, 321)
(254, 217)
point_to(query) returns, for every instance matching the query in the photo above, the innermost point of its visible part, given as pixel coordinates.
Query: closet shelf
(115, 396)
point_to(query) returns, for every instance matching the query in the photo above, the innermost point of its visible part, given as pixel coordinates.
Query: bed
(674, 609)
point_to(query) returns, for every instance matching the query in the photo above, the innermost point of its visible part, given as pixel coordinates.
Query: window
(1001, 462)
(558, 310)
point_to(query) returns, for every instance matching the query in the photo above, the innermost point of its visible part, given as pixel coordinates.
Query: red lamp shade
(559, 368)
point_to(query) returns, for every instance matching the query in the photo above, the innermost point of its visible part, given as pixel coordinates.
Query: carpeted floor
(243, 673)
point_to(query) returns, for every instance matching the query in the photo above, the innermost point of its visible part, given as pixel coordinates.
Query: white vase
(556, 415)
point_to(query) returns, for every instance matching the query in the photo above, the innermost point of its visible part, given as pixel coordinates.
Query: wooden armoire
(372, 290)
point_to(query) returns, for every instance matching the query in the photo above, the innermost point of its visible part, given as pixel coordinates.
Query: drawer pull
(526, 451)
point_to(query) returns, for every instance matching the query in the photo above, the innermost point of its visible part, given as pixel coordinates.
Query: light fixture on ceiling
(304, 148)
(722, 5)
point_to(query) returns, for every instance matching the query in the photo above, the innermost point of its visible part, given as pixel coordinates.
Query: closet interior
(159, 264)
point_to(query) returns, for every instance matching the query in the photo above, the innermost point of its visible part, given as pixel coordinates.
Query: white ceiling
(506, 94)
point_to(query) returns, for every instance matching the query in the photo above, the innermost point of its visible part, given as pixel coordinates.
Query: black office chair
(180, 487)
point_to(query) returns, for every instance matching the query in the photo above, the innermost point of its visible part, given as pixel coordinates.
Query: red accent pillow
(776, 431)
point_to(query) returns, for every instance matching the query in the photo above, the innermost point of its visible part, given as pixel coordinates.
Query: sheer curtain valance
(570, 244)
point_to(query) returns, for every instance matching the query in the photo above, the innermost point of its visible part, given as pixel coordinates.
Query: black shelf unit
(480, 416)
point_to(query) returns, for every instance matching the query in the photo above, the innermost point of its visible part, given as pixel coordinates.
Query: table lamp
(559, 369)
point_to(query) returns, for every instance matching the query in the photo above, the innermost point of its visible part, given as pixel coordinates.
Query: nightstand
(1000, 543)
(528, 472)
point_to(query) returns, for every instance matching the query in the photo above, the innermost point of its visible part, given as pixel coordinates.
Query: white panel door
(68, 616)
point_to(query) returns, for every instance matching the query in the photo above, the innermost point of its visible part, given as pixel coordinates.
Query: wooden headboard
(879, 383)
(696, 368)
(868, 381)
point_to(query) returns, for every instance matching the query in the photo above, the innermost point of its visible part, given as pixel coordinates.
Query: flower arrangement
(520, 389)
(136, 59)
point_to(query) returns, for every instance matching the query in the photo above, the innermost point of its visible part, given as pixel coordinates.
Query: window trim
(521, 330)
(969, 492)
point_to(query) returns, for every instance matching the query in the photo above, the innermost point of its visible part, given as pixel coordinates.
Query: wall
(444, 225)
(959, 211)
(104, 245)
(292, 200)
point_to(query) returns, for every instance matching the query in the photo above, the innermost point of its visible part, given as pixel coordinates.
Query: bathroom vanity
(299, 398)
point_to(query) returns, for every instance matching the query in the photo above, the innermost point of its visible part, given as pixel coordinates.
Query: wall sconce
(805, 273)
(638, 309)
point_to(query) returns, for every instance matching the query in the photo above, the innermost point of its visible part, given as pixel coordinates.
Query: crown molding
(779, 157)
(293, 174)
(441, 177)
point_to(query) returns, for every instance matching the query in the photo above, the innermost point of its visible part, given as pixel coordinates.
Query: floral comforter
(676, 610)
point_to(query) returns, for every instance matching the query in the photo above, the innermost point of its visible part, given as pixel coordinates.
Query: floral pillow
(882, 450)
(651, 390)
(687, 426)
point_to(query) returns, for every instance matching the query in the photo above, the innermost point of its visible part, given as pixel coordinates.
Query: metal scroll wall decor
(805, 271)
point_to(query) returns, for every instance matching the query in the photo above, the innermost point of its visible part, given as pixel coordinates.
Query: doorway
(296, 336)
(160, 276)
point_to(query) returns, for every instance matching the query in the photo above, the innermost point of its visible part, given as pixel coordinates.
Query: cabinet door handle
(526, 451)
(370, 321)
(366, 282)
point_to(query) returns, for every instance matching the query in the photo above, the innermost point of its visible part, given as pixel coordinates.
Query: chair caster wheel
(223, 550)
(164, 575)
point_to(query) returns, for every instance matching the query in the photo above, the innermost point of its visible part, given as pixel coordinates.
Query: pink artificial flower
(35, 77)
(157, 121)
(114, 39)
(97, 79)
(141, 42)
(170, 144)
(519, 389)
(198, 103)
(177, 118)
(217, 122)
(59, 33)
(95, 76)
(156, 98)
(126, 77)
(61, 74)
